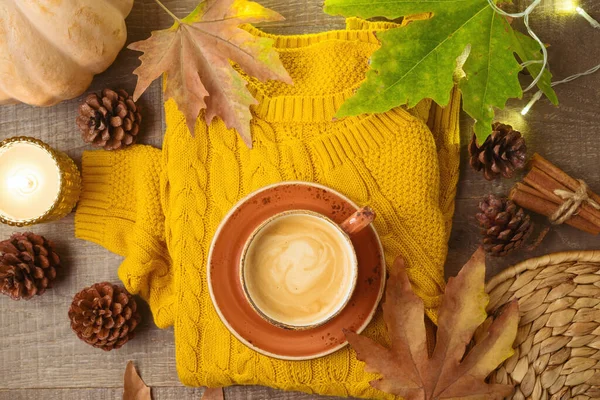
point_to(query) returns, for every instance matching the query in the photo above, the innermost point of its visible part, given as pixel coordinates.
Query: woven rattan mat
(557, 350)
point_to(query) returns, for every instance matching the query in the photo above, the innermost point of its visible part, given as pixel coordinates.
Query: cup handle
(358, 221)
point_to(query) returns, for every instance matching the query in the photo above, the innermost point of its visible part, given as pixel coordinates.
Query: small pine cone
(28, 265)
(111, 121)
(504, 225)
(502, 153)
(104, 315)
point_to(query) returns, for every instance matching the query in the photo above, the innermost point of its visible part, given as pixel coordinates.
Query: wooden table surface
(40, 358)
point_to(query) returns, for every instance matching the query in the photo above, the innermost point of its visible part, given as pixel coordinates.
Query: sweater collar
(327, 69)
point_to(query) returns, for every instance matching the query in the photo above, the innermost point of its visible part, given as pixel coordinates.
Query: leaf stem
(168, 11)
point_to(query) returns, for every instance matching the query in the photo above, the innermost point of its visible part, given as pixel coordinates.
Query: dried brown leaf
(196, 54)
(406, 368)
(213, 394)
(134, 387)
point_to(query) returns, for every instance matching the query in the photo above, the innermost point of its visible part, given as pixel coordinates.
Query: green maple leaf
(419, 60)
(529, 49)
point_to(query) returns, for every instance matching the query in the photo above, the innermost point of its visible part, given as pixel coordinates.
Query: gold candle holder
(37, 183)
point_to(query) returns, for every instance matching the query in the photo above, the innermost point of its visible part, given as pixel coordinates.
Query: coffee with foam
(299, 269)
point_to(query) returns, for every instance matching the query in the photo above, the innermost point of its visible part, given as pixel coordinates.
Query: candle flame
(23, 183)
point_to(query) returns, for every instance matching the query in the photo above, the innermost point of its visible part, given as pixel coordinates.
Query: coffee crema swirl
(298, 269)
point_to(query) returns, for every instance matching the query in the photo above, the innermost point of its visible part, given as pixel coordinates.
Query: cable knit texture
(161, 209)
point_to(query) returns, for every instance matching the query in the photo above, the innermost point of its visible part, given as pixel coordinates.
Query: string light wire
(525, 15)
(579, 75)
(538, 94)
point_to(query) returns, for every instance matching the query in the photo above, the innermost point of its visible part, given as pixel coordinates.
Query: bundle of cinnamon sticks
(537, 192)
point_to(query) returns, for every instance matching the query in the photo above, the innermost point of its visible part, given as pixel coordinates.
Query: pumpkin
(50, 50)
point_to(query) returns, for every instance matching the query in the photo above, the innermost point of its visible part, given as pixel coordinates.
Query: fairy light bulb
(587, 17)
(534, 99)
(564, 6)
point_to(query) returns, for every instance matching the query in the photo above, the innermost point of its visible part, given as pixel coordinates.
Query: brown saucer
(228, 296)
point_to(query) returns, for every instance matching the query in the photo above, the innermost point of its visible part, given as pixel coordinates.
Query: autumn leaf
(419, 60)
(134, 387)
(196, 54)
(528, 49)
(407, 369)
(213, 394)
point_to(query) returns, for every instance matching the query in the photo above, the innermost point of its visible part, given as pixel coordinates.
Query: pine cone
(104, 315)
(28, 265)
(502, 153)
(504, 225)
(111, 121)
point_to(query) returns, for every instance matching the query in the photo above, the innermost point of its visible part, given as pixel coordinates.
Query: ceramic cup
(299, 269)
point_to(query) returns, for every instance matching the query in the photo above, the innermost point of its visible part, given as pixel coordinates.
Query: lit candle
(37, 183)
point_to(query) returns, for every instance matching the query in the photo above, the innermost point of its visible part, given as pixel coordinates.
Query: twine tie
(573, 200)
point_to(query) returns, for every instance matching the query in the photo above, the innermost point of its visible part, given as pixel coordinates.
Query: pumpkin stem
(168, 11)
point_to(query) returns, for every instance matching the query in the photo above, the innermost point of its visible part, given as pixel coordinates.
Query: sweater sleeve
(120, 210)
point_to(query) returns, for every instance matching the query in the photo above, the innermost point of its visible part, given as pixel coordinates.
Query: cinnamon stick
(545, 165)
(546, 185)
(528, 189)
(545, 207)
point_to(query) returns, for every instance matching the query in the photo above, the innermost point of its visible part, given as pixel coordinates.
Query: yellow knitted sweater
(161, 209)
